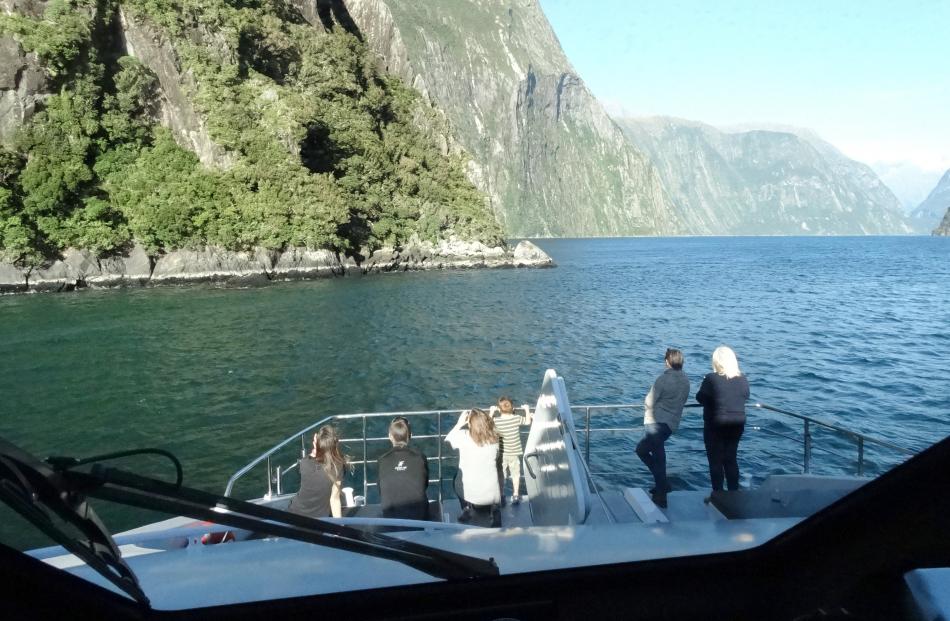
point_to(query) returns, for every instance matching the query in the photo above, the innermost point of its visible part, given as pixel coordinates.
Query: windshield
(245, 223)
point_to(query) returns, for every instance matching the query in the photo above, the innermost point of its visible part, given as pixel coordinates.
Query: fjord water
(851, 330)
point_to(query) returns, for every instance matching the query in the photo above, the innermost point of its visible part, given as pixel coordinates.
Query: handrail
(854, 434)
(334, 417)
(860, 438)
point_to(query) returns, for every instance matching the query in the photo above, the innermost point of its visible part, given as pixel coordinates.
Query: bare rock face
(305, 263)
(78, 269)
(23, 85)
(527, 254)
(542, 148)
(146, 43)
(454, 253)
(133, 269)
(211, 264)
(12, 279)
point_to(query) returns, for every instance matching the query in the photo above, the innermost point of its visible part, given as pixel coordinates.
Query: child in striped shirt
(508, 424)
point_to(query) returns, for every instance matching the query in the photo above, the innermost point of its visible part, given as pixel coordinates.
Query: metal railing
(275, 474)
(809, 423)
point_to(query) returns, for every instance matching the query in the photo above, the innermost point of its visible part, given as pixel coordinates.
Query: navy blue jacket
(723, 399)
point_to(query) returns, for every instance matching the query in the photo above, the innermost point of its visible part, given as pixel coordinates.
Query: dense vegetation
(323, 149)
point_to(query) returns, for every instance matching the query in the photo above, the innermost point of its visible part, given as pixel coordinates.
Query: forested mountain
(764, 182)
(179, 123)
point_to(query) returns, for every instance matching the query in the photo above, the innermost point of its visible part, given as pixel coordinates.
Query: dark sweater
(313, 499)
(403, 479)
(723, 399)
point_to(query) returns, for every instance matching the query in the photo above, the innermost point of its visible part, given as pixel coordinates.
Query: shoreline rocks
(81, 269)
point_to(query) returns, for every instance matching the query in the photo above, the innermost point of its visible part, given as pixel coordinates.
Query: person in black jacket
(321, 476)
(723, 395)
(403, 476)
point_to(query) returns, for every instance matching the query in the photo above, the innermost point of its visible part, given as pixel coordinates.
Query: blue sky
(871, 77)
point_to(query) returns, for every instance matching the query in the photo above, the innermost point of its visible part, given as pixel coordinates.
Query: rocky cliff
(23, 82)
(935, 206)
(542, 147)
(761, 182)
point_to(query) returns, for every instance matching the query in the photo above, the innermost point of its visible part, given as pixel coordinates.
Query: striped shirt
(509, 428)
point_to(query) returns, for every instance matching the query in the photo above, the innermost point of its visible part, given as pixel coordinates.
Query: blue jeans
(651, 452)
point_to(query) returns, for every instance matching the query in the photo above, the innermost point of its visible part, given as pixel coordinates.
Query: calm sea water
(851, 330)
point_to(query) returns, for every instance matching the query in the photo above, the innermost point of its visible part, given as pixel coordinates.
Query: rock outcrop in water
(935, 206)
(764, 182)
(543, 148)
(79, 269)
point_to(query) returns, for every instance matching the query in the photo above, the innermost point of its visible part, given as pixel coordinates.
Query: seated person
(403, 476)
(321, 475)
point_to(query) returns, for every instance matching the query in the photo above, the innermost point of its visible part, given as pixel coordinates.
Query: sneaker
(515, 500)
(658, 500)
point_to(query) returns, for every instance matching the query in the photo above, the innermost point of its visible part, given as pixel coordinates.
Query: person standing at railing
(663, 409)
(508, 424)
(403, 476)
(723, 394)
(321, 477)
(476, 440)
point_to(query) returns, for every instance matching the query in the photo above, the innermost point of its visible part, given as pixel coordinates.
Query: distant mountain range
(783, 181)
(554, 164)
(932, 210)
(909, 182)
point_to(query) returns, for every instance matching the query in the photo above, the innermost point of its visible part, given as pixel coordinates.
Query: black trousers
(722, 446)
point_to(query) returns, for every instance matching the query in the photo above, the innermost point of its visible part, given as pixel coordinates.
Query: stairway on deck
(631, 505)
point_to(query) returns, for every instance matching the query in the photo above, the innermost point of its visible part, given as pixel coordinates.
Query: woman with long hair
(723, 394)
(321, 477)
(476, 440)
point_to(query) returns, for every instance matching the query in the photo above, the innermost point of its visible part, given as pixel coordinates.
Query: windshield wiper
(131, 489)
(36, 491)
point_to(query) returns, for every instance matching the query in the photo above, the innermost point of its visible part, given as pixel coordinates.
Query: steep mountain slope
(943, 229)
(543, 148)
(186, 123)
(936, 204)
(909, 183)
(762, 182)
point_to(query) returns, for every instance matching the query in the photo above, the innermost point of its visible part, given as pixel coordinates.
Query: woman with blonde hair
(723, 394)
(321, 477)
(476, 440)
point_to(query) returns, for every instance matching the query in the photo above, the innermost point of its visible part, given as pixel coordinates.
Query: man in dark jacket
(663, 409)
(403, 476)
